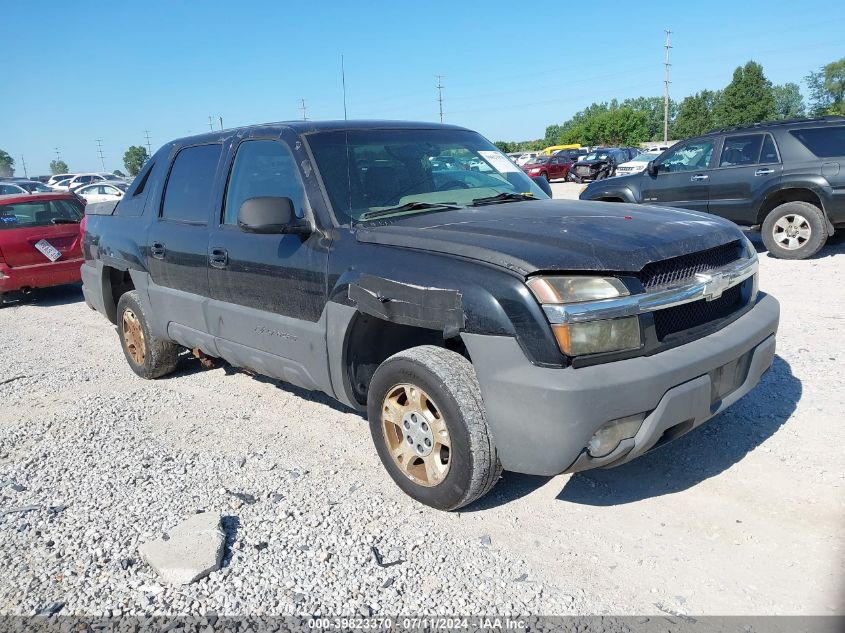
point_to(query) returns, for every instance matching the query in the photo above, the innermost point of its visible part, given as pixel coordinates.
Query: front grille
(685, 267)
(583, 171)
(689, 315)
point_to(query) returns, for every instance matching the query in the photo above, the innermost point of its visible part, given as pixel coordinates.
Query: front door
(269, 290)
(748, 166)
(682, 178)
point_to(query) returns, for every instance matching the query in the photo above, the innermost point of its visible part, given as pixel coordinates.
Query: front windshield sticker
(500, 162)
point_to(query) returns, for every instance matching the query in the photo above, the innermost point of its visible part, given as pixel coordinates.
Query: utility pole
(58, 155)
(440, 95)
(210, 123)
(666, 83)
(343, 79)
(220, 118)
(100, 150)
(149, 149)
(23, 162)
(304, 109)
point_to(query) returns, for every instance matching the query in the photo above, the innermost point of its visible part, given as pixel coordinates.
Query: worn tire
(814, 220)
(449, 379)
(159, 356)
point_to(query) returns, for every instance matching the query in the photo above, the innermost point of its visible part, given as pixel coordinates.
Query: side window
(824, 142)
(769, 153)
(188, 193)
(692, 156)
(741, 150)
(262, 168)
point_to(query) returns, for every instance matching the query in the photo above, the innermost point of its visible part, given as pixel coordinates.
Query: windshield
(111, 177)
(367, 171)
(596, 156)
(644, 158)
(41, 213)
(539, 160)
(34, 186)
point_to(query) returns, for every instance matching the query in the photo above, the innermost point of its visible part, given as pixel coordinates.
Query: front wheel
(428, 423)
(794, 230)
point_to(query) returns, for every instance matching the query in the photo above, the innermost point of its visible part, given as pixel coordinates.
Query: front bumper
(63, 271)
(541, 418)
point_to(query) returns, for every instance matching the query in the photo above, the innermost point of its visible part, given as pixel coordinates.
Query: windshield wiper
(410, 206)
(502, 197)
(64, 221)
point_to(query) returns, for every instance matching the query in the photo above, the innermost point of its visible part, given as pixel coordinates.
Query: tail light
(82, 225)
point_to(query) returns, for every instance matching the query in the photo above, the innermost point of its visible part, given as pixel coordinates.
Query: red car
(550, 167)
(40, 241)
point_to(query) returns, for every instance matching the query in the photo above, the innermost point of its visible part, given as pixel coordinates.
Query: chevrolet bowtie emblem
(714, 284)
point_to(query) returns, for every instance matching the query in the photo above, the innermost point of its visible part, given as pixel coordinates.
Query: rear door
(749, 165)
(682, 178)
(177, 241)
(24, 224)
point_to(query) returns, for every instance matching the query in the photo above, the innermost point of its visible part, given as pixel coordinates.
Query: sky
(92, 70)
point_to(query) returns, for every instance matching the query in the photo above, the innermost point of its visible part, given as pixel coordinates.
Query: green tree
(827, 89)
(789, 104)
(749, 98)
(695, 115)
(119, 173)
(58, 167)
(134, 159)
(505, 146)
(7, 165)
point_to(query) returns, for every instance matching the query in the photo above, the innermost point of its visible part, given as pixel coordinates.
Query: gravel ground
(742, 516)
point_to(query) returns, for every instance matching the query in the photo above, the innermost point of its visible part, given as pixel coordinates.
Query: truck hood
(549, 235)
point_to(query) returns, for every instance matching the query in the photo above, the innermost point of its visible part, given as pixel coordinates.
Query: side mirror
(651, 168)
(544, 185)
(271, 215)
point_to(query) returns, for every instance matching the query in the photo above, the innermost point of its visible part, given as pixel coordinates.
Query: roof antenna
(343, 79)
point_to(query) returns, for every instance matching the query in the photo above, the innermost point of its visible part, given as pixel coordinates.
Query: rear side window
(741, 150)
(824, 142)
(189, 189)
(262, 168)
(43, 213)
(769, 153)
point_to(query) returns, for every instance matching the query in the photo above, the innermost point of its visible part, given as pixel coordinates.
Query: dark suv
(788, 176)
(600, 163)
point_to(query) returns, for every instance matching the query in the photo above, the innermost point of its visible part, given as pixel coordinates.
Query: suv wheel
(148, 356)
(794, 230)
(428, 423)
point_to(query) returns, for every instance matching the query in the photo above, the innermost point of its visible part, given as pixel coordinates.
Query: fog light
(608, 437)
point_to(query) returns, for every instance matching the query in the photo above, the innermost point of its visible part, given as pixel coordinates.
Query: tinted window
(741, 150)
(769, 153)
(43, 213)
(187, 197)
(824, 142)
(9, 189)
(692, 156)
(262, 168)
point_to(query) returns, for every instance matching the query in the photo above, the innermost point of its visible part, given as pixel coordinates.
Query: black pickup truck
(478, 323)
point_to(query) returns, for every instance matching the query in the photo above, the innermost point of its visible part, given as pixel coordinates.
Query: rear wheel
(428, 423)
(794, 230)
(148, 356)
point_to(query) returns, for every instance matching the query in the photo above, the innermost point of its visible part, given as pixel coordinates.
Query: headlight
(594, 337)
(587, 337)
(557, 290)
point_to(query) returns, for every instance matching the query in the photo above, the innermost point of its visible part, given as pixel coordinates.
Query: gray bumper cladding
(542, 418)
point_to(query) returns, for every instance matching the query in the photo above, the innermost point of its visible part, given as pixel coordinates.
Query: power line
(666, 82)
(440, 95)
(304, 109)
(149, 149)
(100, 150)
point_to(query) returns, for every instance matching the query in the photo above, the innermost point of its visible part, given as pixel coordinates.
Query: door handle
(764, 172)
(157, 250)
(218, 258)
(698, 177)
